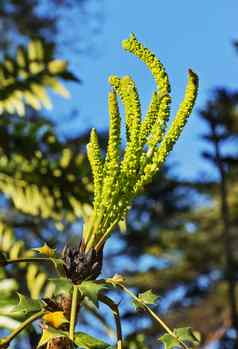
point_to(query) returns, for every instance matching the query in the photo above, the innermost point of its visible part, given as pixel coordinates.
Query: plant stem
(154, 316)
(73, 313)
(6, 341)
(26, 260)
(104, 299)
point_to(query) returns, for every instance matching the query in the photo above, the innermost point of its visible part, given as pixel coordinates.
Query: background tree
(21, 20)
(196, 261)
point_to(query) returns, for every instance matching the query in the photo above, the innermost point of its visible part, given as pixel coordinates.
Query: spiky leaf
(85, 341)
(91, 289)
(147, 297)
(49, 334)
(184, 334)
(27, 305)
(169, 342)
(62, 285)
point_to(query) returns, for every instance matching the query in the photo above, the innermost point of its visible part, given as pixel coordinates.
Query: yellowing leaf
(56, 86)
(55, 319)
(50, 333)
(46, 250)
(115, 280)
(57, 66)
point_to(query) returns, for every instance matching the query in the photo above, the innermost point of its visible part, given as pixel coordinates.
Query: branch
(6, 341)
(73, 313)
(104, 299)
(153, 315)
(24, 260)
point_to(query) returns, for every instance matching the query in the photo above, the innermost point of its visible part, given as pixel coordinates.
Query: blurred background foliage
(181, 236)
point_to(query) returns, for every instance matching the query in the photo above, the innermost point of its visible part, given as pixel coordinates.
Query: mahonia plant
(118, 179)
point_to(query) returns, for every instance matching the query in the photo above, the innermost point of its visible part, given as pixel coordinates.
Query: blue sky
(184, 34)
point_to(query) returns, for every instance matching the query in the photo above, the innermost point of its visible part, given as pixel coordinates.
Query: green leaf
(49, 334)
(85, 341)
(27, 305)
(91, 289)
(62, 285)
(59, 265)
(169, 342)
(148, 298)
(185, 334)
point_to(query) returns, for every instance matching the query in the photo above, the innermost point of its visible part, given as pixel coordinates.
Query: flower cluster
(120, 177)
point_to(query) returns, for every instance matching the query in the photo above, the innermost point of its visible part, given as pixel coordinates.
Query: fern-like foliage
(35, 277)
(38, 190)
(118, 180)
(39, 172)
(24, 80)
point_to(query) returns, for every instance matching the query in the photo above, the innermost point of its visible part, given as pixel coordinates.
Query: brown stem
(104, 299)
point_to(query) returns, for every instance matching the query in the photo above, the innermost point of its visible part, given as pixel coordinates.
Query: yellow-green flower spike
(113, 150)
(126, 89)
(94, 156)
(159, 126)
(174, 132)
(131, 159)
(182, 115)
(150, 118)
(117, 182)
(112, 162)
(145, 55)
(162, 81)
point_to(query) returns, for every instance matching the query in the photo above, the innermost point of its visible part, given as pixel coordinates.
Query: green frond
(96, 163)
(35, 278)
(36, 51)
(28, 198)
(26, 79)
